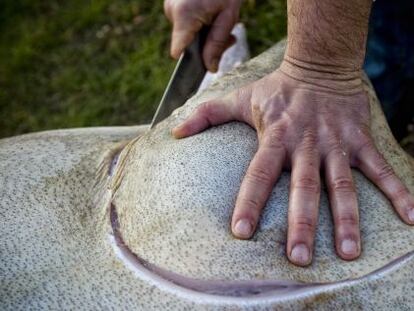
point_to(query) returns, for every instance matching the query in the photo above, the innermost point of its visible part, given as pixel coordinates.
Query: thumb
(208, 114)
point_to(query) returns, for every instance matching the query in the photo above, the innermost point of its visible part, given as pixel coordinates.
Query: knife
(185, 80)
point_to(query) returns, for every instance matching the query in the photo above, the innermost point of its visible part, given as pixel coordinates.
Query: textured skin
(174, 199)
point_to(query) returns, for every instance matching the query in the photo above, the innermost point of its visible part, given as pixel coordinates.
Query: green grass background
(79, 63)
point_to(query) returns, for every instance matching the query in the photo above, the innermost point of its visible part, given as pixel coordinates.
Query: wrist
(323, 77)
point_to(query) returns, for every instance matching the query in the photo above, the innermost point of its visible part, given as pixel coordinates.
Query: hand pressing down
(305, 120)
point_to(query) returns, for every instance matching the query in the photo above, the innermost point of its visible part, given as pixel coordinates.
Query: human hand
(305, 120)
(188, 16)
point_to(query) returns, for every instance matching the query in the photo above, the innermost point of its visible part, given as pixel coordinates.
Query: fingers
(344, 205)
(184, 31)
(218, 39)
(206, 115)
(256, 187)
(186, 21)
(375, 167)
(189, 16)
(233, 106)
(303, 205)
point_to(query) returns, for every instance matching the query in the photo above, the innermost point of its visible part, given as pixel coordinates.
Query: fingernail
(411, 215)
(300, 254)
(243, 228)
(349, 247)
(176, 131)
(214, 64)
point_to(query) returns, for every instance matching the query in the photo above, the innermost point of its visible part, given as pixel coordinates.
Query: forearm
(326, 43)
(328, 33)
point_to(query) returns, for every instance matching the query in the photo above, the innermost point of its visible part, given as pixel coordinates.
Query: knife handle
(195, 49)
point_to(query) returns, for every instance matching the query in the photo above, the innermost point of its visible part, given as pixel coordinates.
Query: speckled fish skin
(174, 200)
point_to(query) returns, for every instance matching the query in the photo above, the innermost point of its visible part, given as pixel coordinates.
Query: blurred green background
(79, 63)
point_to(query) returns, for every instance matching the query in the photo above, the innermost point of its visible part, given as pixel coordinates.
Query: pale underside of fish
(125, 218)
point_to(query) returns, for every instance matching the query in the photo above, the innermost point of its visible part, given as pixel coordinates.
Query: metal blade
(185, 80)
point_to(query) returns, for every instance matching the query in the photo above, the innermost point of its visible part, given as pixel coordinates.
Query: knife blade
(185, 80)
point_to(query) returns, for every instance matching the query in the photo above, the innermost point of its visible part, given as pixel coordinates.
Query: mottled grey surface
(182, 192)
(174, 200)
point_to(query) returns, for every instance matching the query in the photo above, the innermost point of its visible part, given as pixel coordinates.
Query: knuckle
(275, 145)
(307, 184)
(342, 184)
(218, 43)
(401, 192)
(251, 204)
(276, 133)
(364, 143)
(304, 223)
(309, 139)
(334, 149)
(400, 196)
(273, 141)
(205, 108)
(259, 175)
(307, 148)
(349, 219)
(385, 171)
